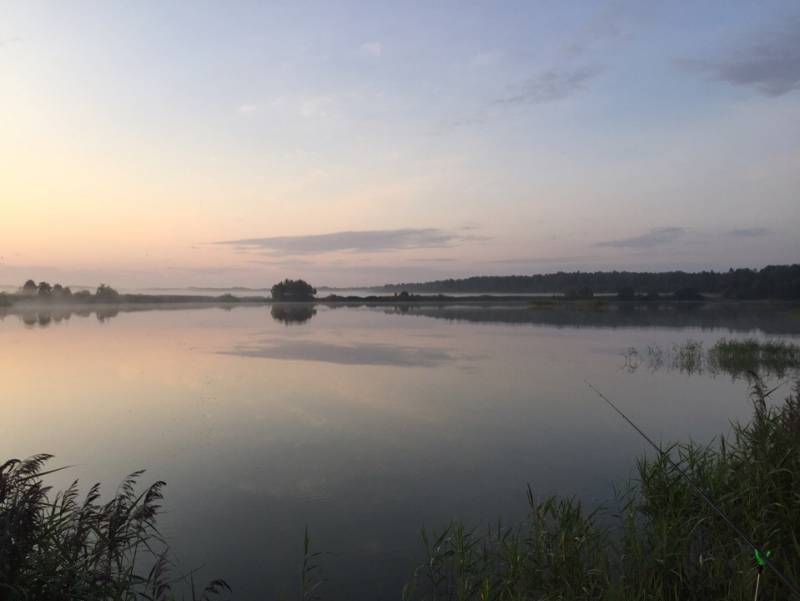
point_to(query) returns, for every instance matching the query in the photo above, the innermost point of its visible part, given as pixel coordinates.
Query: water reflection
(354, 353)
(736, 358)
(292, 313)
(741, 317)
(735, 317)
(363, 425)
(43, 318)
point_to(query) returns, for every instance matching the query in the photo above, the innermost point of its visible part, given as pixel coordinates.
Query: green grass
(59, 547)
(661, 543)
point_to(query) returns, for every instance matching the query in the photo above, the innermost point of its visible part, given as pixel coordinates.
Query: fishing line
(761, 558)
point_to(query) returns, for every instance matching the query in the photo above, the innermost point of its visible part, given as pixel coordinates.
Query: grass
(735, 357)
(57, 547)
(738, 357)
(661, 543)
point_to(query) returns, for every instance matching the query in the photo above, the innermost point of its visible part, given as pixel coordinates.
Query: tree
(29, 288)
(106, 294)
(45, 289)
(293, 290)
(60, 291)
(688, 294)
(626, 293)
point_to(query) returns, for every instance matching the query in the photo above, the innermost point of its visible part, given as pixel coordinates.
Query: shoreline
(19, 303)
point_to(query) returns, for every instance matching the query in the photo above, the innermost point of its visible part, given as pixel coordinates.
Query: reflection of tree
(106, 314)
(47, 317)
(736, 358)
(292, 314)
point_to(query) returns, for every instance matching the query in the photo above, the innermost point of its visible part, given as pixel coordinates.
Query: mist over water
(363, 423)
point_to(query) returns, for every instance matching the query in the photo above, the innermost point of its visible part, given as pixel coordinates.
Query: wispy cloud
(538, 260)
(750, 232)
(315, 107)
(548, 86)
(486, 59)
(651, 239)
(373, 49)
(602, 28)
(357, 242)
(770, 63)
(552, 85)
(246, 109)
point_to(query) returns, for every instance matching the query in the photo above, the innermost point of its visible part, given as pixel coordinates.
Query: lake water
(363, 423)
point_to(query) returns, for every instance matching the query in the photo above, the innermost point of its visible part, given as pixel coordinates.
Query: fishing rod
(762, 558)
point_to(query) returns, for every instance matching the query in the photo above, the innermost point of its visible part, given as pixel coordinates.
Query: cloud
(373, 49)
(653, 238)
(750, 232)
(315, 107)
(549, 86)
(537, 260)
(246, 109)
(604, 27)
(486, 59)
(362, 353)
(357, 242)
(770, 63)
(552, 85)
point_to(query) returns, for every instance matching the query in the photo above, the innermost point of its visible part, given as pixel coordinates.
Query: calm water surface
(363, 423)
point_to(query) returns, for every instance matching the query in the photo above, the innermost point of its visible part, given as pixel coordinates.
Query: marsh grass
(739, 357)
(59, 547)
(660, 543)
(736, 358)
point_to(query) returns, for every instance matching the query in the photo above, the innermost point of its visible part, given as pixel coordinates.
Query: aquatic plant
(661, 542)
(734, 357)
(56, 547)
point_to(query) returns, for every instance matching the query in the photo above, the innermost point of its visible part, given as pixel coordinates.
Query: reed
(736, 358)
(58, 547)
(660, 542)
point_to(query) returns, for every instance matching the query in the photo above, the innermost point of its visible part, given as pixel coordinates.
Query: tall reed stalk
(660, 543)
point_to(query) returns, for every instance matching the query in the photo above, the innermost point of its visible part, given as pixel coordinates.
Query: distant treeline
(774, 281)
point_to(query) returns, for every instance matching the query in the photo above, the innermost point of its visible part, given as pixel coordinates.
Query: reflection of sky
(363, 425)
(345, 354)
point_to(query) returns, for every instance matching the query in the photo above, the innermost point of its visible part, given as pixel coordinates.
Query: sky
(168, 144)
